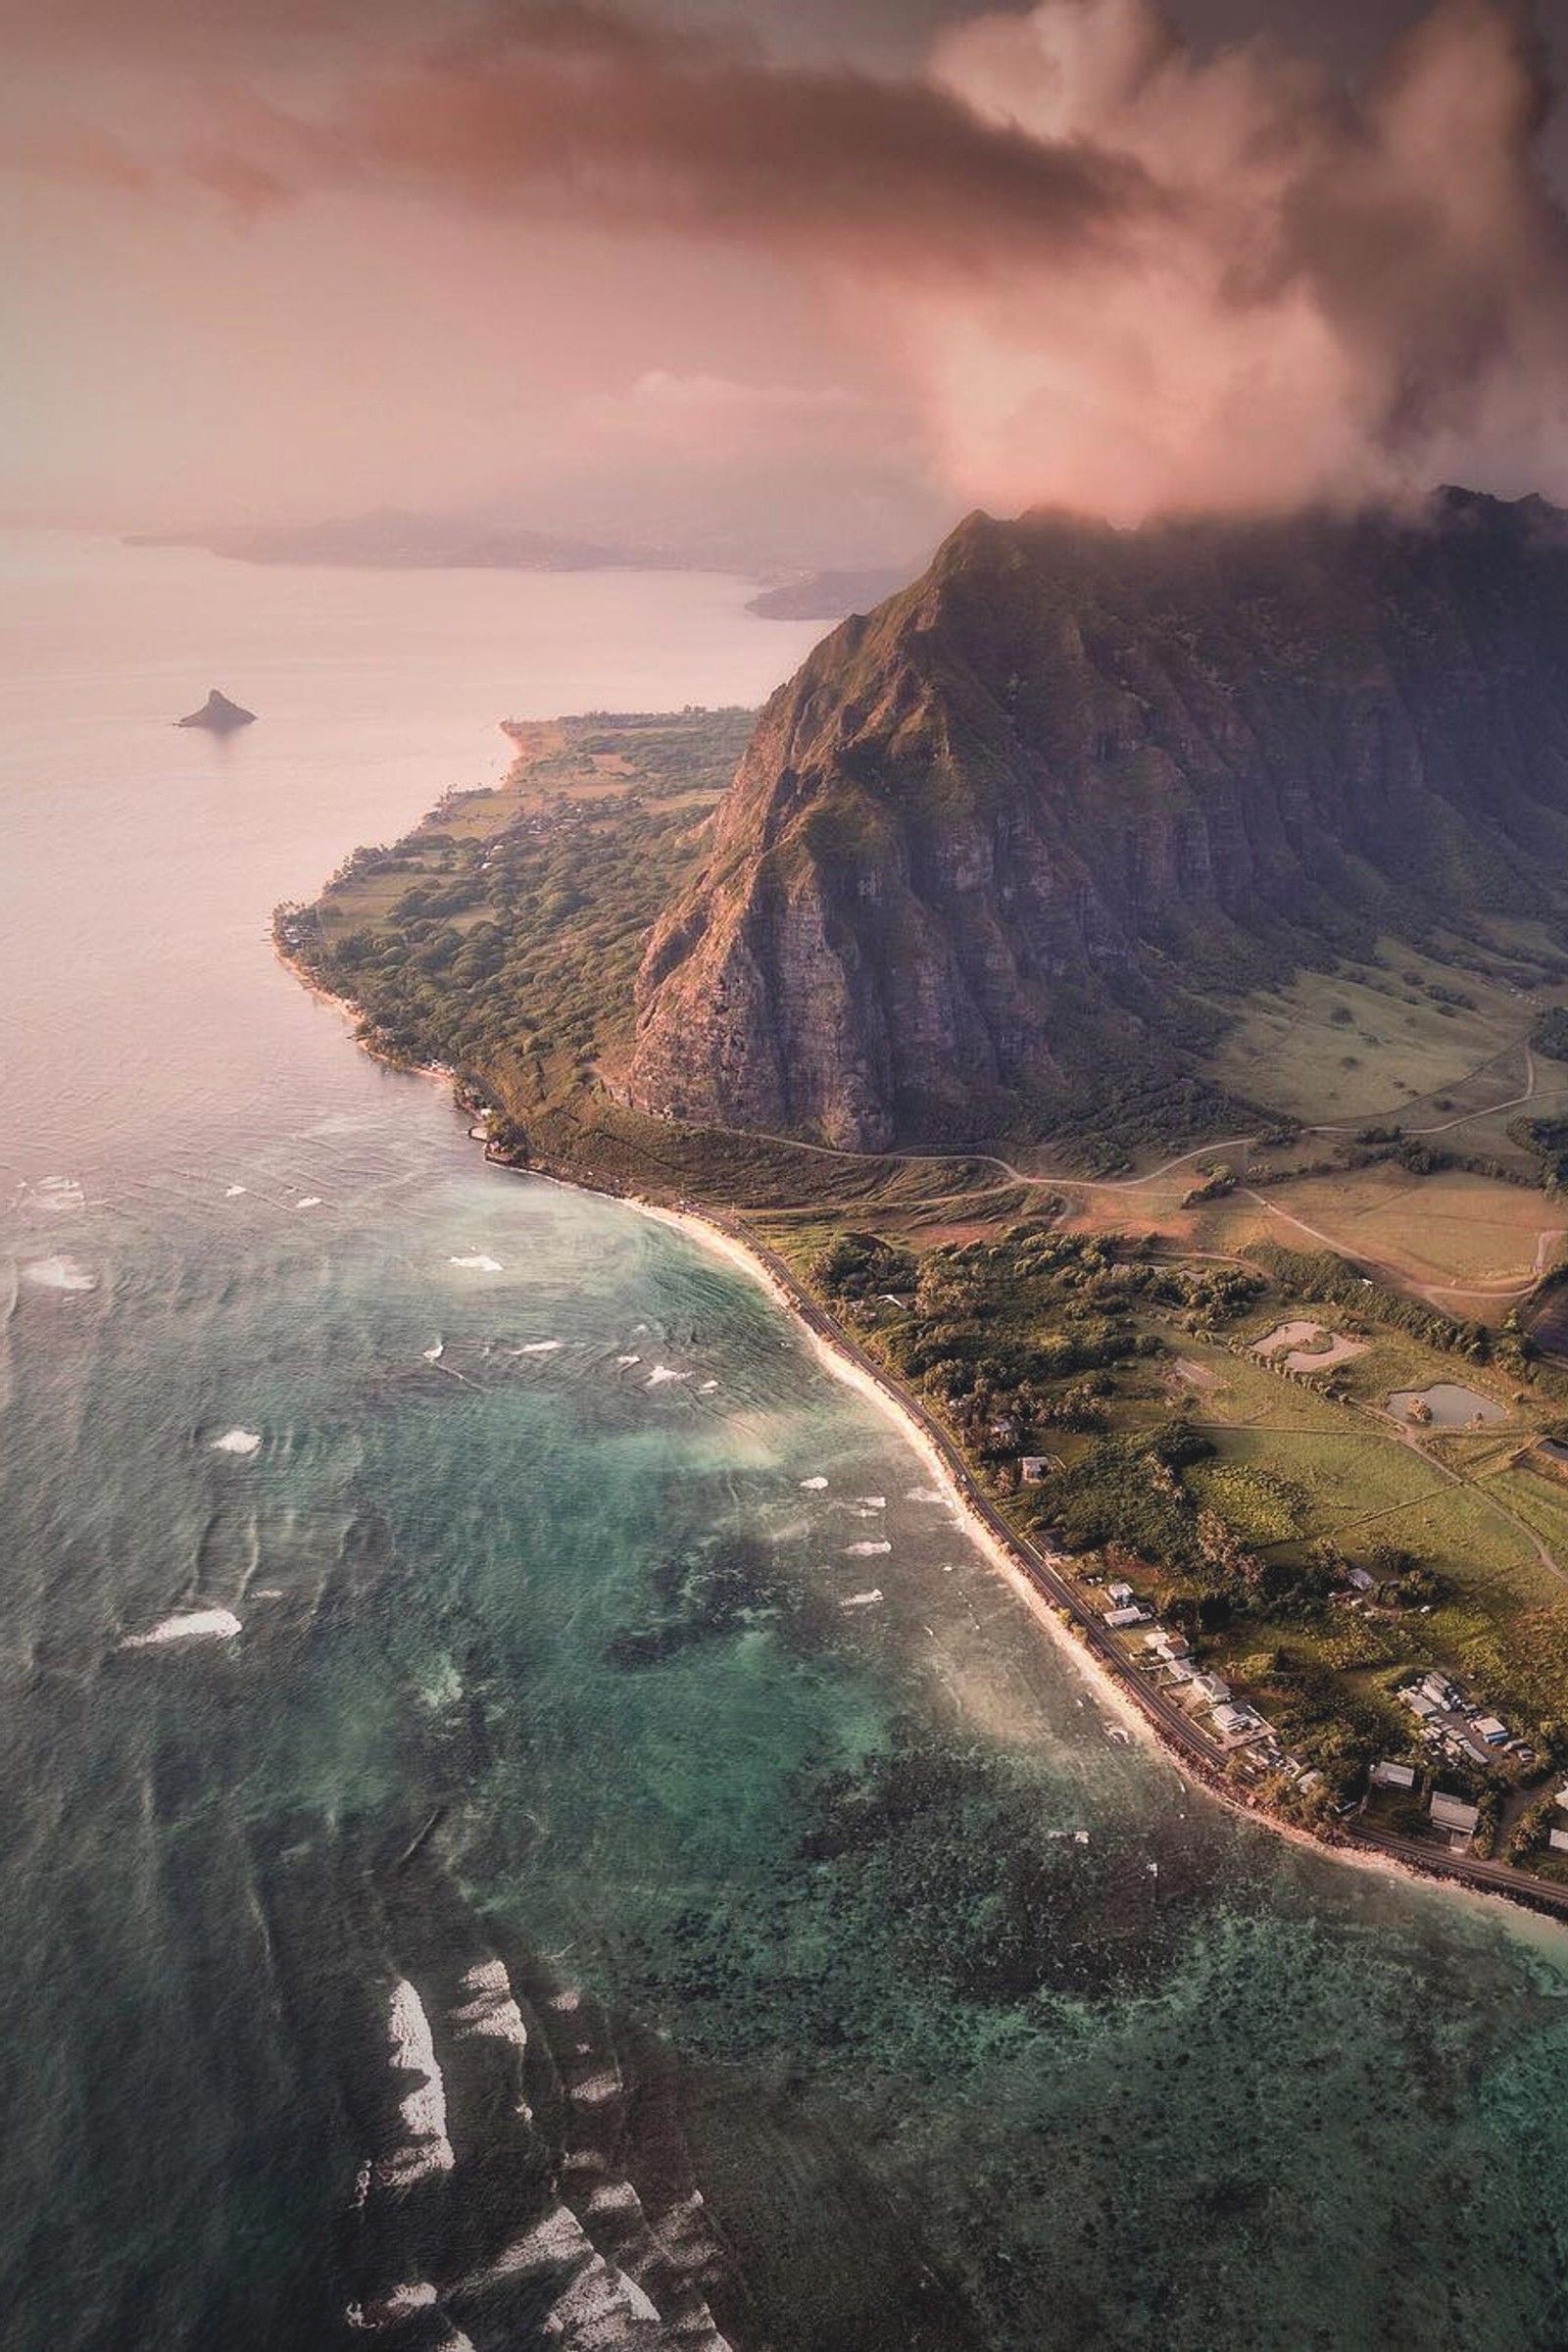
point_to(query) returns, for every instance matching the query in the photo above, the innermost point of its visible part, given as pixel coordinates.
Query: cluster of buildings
(1232, 1723)
(1453, 1724)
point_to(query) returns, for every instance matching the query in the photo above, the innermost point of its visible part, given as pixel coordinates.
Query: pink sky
(815, 278)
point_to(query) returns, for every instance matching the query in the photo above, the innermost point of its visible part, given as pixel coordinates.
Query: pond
(1448, 1405)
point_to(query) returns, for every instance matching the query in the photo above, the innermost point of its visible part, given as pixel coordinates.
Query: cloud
(703, 415)
(567, 111)
(1102, 269)
(1341, 296)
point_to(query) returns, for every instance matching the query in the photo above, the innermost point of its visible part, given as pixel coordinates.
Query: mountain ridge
(1000, 843)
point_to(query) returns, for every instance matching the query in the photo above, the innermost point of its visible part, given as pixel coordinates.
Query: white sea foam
(433, 1355)
(626, 1362)
(708, 1388)
(415, 2294)
(540, 1347)
(188, 1625)
(865, 1551)
(490, 2010)
(423, 2107)
(614, 2196)
(235, 1191)
(873, 1502)
(243, 1442)
(477, 1264)
(308, 1201)
(662, 1373)
(863, 1600)
(594, 2090)
(58, 1195)
(926, 1494)
(641, 2303)
(559, 2237)
(814, 1485)
(59, 1274)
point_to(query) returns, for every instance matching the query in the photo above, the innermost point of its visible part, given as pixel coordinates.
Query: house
(1238, 1724)
(1122, 1618)
(1175, 1645)
(1211, 1690)
(1559, 1840)
(1420, 1704)
(1033, 1467)
(1440, 1690)
(1392, 1775)
(1361, 1578)
(1122, 1595)
(1562, 1796)
(1453, 1813)
(1493, 1732)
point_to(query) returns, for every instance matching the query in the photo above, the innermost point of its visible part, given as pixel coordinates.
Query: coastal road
(1487, 1878)
(1046, 1572)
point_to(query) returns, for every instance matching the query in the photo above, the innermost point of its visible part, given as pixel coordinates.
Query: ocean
(525, 1818)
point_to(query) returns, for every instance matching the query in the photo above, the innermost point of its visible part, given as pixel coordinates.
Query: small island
(219, 716)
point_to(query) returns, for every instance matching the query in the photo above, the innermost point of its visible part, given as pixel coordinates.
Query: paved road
(1046, 1572)
(1490, 1878)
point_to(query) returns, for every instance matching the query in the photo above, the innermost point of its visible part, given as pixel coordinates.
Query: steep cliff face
(1001, 844)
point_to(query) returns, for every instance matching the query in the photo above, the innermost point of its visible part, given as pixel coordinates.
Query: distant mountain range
(397, 539)
(392, 539)
(1012, 845)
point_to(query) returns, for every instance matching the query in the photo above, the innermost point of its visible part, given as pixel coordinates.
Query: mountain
(827, 594)
(392, 539)
(1018, 843)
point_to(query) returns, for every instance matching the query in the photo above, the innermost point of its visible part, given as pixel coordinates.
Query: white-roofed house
(1453, 1814)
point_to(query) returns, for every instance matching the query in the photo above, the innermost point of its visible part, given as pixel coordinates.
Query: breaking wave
(59, 1274)
(187, 1625)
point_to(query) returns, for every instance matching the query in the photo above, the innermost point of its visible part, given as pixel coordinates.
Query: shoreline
(1109, 1684)
(1028, 1571)
(855, 1375)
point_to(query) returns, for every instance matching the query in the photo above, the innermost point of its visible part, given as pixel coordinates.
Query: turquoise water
(554, 1916)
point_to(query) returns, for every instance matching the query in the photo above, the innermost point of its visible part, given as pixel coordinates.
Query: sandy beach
(1105, 1684)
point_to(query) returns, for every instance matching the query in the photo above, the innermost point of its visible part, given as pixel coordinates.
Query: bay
(479, 1864)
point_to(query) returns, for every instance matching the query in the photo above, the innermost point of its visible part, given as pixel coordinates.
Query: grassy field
(1451, 1230)
(1378, 1042)
(1107, 1325)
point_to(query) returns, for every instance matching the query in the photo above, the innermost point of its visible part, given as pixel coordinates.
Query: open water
(523, 1820)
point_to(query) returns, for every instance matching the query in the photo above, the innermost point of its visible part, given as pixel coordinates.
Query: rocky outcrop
(1003, 842)
(219, 716)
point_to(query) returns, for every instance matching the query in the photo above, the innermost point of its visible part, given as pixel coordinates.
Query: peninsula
(1209, 1237)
